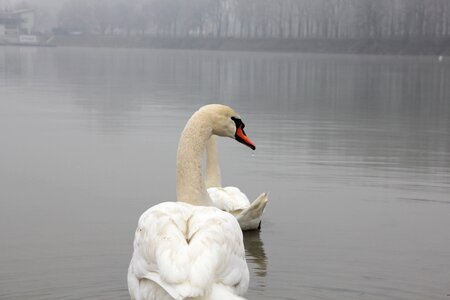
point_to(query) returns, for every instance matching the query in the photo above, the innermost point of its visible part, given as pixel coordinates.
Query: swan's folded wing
(159, 235)
(228, 199)
(216, 248)
(250, 218)
(187, 249)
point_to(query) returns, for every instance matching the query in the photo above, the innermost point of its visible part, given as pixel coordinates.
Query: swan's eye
(238, 122)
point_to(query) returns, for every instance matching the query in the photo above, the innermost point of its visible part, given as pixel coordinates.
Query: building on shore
(17, 26)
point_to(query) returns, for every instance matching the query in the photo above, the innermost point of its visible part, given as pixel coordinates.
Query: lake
(353, 150)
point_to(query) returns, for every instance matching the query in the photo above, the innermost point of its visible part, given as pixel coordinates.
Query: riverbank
(349, 46)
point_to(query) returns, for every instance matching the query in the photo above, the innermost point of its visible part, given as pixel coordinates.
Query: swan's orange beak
(243, 138)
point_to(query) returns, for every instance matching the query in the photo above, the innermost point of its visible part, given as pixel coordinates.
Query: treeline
(287, 19)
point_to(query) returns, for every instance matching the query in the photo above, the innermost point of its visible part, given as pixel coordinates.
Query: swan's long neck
(213, 178)
(190, 184)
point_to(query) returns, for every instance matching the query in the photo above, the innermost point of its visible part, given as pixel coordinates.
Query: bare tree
(292, 19)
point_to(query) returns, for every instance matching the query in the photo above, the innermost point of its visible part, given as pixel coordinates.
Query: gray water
(354, 151)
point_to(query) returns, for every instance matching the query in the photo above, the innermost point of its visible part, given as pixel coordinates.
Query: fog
(287, 19)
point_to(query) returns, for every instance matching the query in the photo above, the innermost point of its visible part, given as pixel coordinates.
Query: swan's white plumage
(188, 249)
(230, 198)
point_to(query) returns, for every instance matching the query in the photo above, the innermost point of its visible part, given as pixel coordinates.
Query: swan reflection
(255, 253)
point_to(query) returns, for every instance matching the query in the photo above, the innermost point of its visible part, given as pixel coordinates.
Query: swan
(230, 198)
(189, 249)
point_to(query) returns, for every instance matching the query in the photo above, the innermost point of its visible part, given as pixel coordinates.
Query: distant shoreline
(350, 46)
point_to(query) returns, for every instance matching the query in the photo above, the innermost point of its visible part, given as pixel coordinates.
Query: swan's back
(229, 198)
(183, 251)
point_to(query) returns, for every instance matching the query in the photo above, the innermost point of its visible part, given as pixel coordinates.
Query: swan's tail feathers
(221, 292)
(218, 291)
(250, 218)
(154, 277)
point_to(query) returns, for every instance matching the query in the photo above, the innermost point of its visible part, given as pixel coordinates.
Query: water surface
(354, 151)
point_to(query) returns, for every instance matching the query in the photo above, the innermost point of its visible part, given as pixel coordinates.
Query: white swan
(185, 249)
(230, 198)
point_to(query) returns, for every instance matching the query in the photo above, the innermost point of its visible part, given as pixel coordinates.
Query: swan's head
(226, 122)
